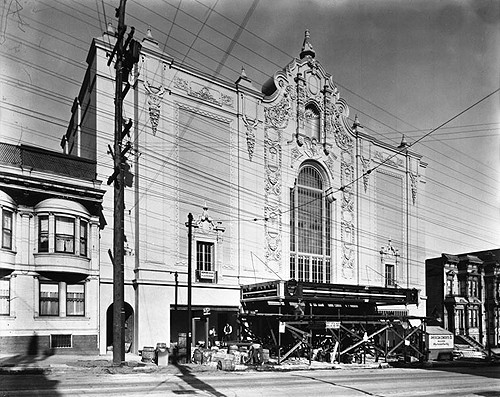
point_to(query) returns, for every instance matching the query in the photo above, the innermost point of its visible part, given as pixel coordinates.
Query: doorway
(129, 326)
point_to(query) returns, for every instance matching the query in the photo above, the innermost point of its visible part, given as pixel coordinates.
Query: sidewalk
(21, 364)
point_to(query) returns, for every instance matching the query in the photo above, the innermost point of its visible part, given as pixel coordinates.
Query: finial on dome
(149, 40)
(356, 121)
(307, 48)
(110, 29)
(403, 143)
(243, 73)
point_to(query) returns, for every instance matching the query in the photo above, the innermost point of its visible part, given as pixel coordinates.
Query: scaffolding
(332, 322)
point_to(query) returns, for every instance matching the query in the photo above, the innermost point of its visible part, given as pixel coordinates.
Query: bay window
(4, 297)
(43, 234)
(65, 234)
(83, 238)
(7, 229)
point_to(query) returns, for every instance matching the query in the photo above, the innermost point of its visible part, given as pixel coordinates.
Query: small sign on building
(332, 325)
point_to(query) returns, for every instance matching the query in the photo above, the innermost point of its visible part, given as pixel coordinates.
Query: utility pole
(127, 54)
(189, 224)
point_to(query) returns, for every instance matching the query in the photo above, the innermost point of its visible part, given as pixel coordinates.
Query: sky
(404, 67)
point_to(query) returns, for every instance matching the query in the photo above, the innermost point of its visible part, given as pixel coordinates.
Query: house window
(459, 322)
(65, 234)
(75, 300)
(43, 234)
(390, 275)
(462, 287)
(473, 318)
(473, 289)
(49, 299)
(4, 297)
(7, 229)
(83, 238)
(204, 255)
(310, 227)
(449, 284)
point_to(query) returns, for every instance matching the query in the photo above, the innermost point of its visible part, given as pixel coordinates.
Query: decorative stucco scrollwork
(278, 115)
(272, 161)
(273, 234)
(389, 159)
(334, 123)
(181, 84)
(251, 126)
(330, 162)
(155, 96)
(414, 181)
(365, 164)
(275, 119)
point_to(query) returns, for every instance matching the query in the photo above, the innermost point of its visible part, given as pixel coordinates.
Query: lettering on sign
(207, 274)
(332, 325)
(441, 342)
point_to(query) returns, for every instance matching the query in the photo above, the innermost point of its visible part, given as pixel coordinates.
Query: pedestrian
(228, 330)
(212, 336)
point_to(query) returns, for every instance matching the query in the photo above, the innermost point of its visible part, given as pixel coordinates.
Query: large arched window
(310, 228)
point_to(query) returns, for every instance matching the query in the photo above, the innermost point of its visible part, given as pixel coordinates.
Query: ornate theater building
(299, 214)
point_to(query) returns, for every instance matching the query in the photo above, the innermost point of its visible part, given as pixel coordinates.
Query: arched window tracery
(310, 227)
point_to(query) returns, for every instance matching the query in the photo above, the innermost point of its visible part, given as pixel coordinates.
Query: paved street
(458, 381)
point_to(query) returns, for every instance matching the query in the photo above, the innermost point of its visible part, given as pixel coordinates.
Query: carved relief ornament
(202, 92)
(155, 96)
(251, 126)
(414, 181)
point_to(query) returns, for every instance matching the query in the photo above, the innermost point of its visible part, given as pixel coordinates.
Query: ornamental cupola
(307, 48)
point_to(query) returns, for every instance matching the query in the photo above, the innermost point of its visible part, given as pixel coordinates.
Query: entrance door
(129, 326)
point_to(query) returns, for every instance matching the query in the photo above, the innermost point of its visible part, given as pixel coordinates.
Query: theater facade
(283, 182)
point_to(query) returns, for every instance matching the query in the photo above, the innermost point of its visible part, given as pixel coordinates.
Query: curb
(141, 367)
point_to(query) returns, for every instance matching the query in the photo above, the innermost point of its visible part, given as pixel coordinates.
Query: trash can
(148, 354)
(161, 354)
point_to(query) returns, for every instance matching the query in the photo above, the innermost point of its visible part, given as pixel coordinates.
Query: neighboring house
(464, 295)
(49, 254)
(281, 183)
